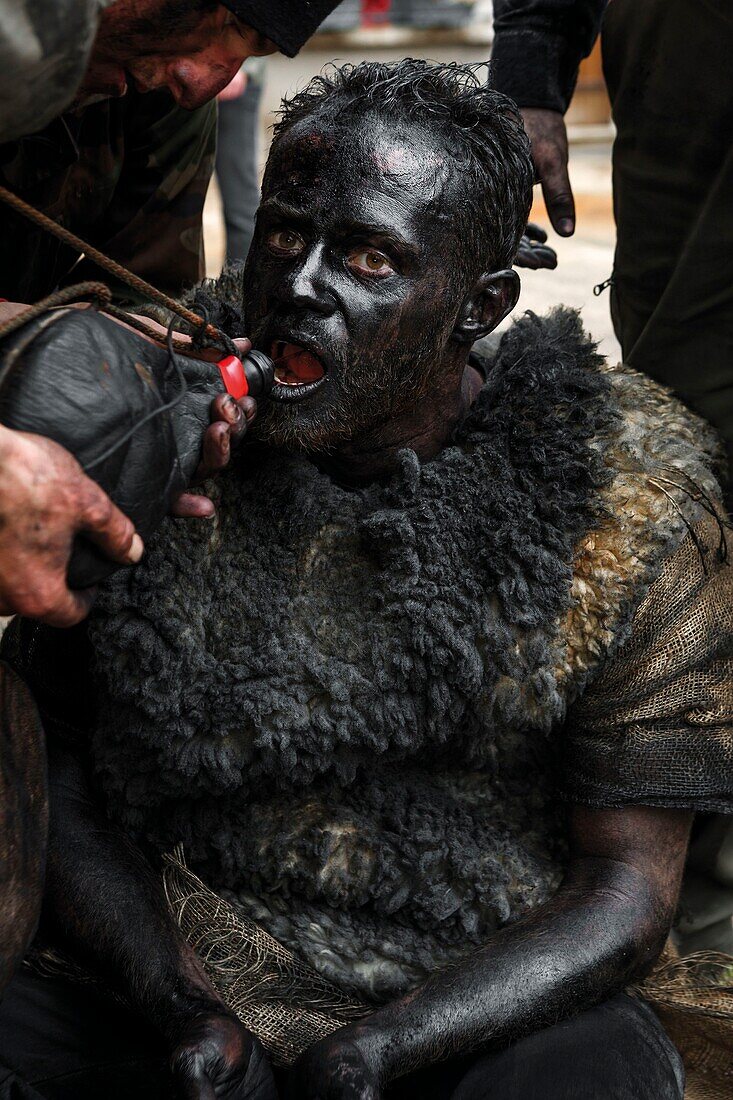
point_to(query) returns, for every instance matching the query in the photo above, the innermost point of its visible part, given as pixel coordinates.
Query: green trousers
(669, 70)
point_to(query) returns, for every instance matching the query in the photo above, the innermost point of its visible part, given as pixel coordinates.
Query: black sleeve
(538, 46)
(56, 666)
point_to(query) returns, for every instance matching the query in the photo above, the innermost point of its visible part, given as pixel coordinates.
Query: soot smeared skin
(337, 202)
(603, 929)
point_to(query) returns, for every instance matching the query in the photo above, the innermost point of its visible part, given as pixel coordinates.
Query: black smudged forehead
(328, 165)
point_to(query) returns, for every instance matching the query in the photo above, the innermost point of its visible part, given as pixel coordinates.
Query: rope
(80, 292)
(147, 290)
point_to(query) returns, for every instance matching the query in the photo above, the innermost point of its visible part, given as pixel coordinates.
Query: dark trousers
(669, 74)
(668, 68)
(68, 1042)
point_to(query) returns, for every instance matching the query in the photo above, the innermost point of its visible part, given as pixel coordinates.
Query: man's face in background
(353, 280)
(192, 47)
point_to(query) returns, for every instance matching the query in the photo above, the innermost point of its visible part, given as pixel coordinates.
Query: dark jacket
(128, 175)
(539, 45)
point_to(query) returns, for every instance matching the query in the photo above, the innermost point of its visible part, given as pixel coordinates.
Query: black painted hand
(216, 1058)
(533, 251)
(230, 421)
(333, 1069)
(546, 130)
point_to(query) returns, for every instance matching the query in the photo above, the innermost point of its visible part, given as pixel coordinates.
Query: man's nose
(309, 286)
(195, 81)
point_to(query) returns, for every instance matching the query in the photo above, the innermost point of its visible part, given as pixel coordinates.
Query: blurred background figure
(237, 156)
(346, 17)
(432, 13)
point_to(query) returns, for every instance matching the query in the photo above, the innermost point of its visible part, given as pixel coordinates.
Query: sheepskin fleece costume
(348, 704)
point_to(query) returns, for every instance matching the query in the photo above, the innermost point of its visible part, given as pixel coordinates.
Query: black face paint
(351, 281)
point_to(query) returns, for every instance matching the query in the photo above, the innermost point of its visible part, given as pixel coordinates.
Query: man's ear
(493, 296)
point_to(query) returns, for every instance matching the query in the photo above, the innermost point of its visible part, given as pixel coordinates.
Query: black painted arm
(107, 904)
(603, 929)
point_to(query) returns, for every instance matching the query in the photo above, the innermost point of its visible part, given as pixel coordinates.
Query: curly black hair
(481, 127)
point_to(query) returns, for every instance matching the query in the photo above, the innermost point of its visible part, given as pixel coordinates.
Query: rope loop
(81, 292)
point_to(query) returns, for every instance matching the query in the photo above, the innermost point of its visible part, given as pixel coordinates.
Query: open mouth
(298, 371)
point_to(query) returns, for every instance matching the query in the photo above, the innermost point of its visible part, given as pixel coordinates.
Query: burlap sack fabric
(275, 995)
(289, 1006)
(693, 997)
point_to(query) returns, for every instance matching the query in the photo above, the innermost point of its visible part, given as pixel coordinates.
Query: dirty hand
(230, 420)
(547, 133)
(216, 1058)
(333, 1069)
(533, 252)
(45, 500)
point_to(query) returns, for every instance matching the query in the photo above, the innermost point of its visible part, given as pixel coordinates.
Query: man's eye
(285, 241)
(367, 262)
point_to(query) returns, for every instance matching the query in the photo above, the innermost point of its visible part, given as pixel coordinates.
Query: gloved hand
(533, 252)
(547, 133)
(216, 1058)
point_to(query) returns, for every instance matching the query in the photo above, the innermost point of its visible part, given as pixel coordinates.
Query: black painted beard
(364, 397)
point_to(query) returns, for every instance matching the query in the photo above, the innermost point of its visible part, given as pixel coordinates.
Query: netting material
(275, 995)
(657, 726)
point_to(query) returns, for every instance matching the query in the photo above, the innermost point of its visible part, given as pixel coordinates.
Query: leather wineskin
(85, 381)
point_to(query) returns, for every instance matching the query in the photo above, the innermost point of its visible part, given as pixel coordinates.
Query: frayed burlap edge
(275, 995)
(693, 997)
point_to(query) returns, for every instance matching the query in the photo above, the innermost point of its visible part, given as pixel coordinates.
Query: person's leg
(237, 169)
(62, 1041)
(617, 1051)
(668, 70)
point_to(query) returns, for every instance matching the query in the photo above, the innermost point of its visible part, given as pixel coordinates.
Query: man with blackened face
(432, 700)
(383, 250)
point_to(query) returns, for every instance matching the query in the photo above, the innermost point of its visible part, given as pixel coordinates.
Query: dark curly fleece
(340, 700)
